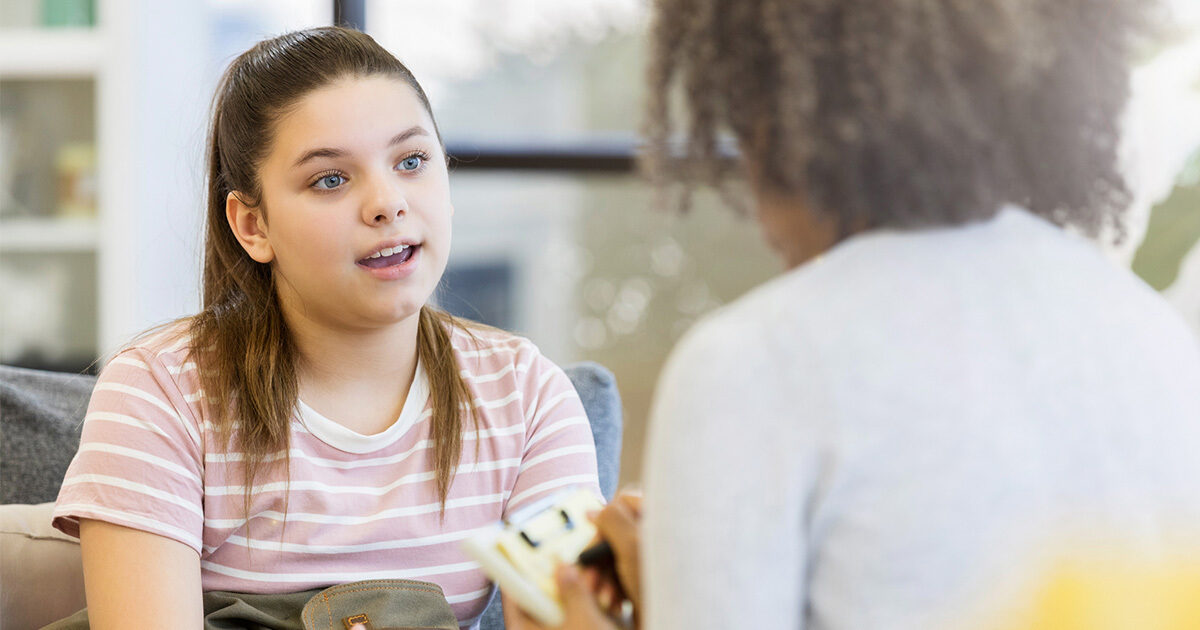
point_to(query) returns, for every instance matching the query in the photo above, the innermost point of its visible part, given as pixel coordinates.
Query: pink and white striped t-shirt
(360, 507)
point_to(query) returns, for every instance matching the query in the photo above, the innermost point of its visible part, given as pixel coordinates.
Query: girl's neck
(354, 361)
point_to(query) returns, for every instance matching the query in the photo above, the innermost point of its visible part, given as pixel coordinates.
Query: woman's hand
(580, 610)
(618, 525)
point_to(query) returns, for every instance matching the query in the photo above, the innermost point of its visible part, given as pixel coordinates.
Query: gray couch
(40, 419)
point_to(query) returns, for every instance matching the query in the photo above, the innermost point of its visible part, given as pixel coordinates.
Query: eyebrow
(329, 152)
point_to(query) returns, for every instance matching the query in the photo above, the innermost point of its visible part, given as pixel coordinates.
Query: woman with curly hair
(950, 385)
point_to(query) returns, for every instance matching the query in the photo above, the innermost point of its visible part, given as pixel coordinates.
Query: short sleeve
(559, 451)
(141, 455)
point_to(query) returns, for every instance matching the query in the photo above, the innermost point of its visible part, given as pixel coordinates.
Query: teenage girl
(318, 422)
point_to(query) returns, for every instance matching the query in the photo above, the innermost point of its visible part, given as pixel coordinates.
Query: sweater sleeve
(141, 457)
(559, 451)
(727, 485)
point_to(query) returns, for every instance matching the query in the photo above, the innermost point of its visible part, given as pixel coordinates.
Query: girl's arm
(135, 579)
(559, 451)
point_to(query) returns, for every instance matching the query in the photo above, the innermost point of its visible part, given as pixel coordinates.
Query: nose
(385, 201)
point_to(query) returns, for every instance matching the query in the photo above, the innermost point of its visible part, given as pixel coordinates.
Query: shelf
(46, 53)
(26, 236)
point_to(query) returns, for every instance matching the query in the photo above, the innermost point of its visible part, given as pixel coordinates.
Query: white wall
(163, 61)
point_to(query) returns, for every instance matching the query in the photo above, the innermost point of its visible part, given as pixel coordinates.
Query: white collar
(344, 439)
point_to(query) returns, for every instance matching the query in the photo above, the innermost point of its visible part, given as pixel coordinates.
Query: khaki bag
(377, 604)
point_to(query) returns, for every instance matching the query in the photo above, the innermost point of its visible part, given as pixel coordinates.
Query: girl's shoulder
(167, 346)
(474, 340)
(481, 349)
(154, 379)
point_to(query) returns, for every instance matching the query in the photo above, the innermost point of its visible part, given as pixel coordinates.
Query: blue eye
(412, 163)
(329, 182)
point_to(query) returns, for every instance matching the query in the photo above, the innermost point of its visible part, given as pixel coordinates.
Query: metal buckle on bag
(361, 620)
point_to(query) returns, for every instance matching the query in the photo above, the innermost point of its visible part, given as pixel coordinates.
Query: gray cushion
(597, 388)
(41, 414)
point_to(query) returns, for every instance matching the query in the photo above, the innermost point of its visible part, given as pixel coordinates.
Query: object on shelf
(32, 313)
(45, 122)
(68, 13)
(75, 165)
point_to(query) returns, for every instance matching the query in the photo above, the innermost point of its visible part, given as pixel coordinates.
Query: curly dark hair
(901, 113)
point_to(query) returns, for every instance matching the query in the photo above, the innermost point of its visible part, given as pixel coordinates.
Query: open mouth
(389, 257)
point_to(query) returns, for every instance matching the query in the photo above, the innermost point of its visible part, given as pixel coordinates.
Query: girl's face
(357, 205)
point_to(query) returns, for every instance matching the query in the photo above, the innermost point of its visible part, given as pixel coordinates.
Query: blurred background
(103, 107)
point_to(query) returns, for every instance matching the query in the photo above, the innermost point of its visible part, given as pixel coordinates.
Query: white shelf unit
(45, 53)
(48, 262)
(30, 236)
(148, 64)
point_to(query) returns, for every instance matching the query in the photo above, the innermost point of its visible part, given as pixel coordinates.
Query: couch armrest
(41, 578)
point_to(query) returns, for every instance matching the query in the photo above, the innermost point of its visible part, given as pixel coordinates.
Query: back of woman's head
(902, 112)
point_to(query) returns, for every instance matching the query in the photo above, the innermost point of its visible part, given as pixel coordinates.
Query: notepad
(522, 553)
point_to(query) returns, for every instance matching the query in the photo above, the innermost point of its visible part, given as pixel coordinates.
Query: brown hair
(245, 354)
(901, 113)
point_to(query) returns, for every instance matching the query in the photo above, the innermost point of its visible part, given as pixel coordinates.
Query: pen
(596, 555)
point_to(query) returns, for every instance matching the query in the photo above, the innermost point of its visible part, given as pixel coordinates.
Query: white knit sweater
(906, 432)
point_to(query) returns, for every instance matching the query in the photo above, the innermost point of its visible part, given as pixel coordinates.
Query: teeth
(388, 251)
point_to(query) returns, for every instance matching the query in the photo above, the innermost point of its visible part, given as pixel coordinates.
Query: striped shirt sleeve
(559, 451)
(140, 458)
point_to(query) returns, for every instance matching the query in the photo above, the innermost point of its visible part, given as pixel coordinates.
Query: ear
(249, 228)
